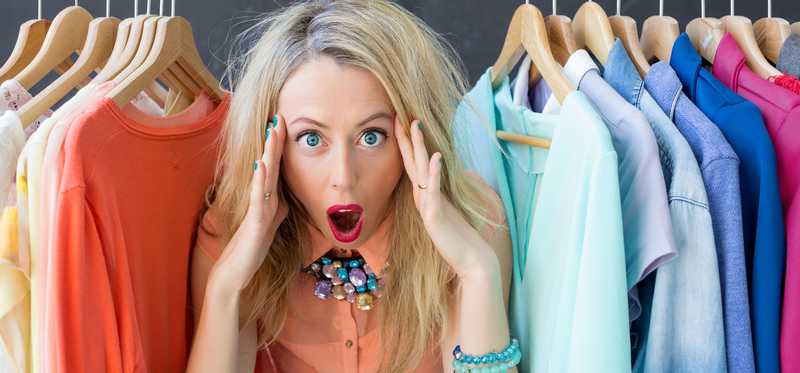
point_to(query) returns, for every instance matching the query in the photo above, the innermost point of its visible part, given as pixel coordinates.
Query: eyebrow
(370, 118)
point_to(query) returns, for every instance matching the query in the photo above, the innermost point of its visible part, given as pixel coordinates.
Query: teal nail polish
(266, 131)
(419, 124)
(255, 165)
(275, 121)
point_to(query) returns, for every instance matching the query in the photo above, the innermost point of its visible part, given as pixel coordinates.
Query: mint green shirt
(569, 293)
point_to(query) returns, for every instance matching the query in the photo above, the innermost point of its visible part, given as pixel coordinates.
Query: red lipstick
(346, 221)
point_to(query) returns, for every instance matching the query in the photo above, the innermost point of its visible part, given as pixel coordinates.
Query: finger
(272, 153)
(257, 185)
(405, 149)
(420, 153)
(435, 173)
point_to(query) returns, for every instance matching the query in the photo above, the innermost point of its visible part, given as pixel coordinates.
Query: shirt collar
(728, 61)
(375, 250)
(621, 73)
(664, 85)
(687, 64)
(578, 64)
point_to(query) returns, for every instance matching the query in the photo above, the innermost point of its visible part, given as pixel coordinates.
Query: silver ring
(422, 186)
(267, 195)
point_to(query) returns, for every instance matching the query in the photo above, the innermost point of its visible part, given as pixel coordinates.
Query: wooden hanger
(592, 30)
(94, 53)
(527, 33)
(625, 29)
(29, 41)
(796, 28)
(174, 48)
(559, 33)
(705, 34)
(66, 35)
(770, 34)
(742, 30)
(658, 35)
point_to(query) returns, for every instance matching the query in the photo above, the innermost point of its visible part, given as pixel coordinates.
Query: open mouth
(345, 221)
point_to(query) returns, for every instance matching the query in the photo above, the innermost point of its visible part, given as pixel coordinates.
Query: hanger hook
(619, 5)
(39, 9)
(732, 4)
(660, 8)
(173, 7)
(161, 7)
(135, 8)
(555, 7)
(702, 8)
(108, 8)
(148, 6)
(769, 8)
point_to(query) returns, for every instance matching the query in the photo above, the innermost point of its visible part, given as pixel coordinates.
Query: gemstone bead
(337, 264)
(351, 297)
(372, 284)
(368, 269)
(316, 267)
(349, 288)
(342, 273)
(364, 301)
(361, 289)
(338, 292)
(328, 270)
(322, 289)
(326, 260)
(358, 277)
(377, 293)
(336, 280)
(355, 263)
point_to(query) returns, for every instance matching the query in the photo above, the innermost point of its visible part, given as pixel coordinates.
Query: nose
(343, 169)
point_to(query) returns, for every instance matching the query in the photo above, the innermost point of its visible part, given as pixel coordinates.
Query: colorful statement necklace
(349, 279)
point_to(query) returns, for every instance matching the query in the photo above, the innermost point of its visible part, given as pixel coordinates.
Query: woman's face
(341, 158)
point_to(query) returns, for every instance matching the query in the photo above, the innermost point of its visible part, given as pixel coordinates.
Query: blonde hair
(424, 80)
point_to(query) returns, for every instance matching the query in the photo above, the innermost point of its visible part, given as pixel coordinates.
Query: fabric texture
(646, 223)
(682, 300)
(719, 165)
(13, 96)
(568, 298)
(780, 109)
(762, 215)
(789, 59)
(119, 258)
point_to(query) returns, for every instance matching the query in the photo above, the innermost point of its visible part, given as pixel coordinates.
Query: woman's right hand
(250, 243)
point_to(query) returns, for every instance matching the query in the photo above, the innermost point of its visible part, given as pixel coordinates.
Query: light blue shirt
(569, 293)
(682, 302)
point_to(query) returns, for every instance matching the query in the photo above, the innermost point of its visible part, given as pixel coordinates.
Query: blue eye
(372, 138)
(311, 139)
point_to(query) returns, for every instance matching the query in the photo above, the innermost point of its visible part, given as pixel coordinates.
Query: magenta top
(781, 111)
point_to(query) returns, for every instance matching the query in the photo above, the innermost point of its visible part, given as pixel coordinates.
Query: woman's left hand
(457, 241)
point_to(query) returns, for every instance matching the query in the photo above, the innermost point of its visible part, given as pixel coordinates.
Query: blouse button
(348, 344)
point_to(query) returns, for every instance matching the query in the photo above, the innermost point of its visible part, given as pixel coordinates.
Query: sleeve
(600, 339)
(82, 332)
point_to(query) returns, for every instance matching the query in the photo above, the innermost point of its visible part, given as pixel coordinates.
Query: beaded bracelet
(493, 362)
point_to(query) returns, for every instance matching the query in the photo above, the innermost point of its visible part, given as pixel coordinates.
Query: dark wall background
(475, 27)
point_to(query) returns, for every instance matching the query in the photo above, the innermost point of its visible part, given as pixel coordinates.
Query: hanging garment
(720, 167)
(30, 168)
(568, 298)
(129, 200)
(14, 317)
(13, 298)
(348, 338)
(780, 109)
(789, 59)
(762, 216)
(646, 224)
(682, 301)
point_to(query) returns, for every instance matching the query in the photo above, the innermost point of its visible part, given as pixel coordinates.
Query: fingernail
(255, 165)
(419, 124)
(275, 121)
(268, 132)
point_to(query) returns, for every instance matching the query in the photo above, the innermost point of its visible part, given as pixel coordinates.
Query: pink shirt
(781, 111)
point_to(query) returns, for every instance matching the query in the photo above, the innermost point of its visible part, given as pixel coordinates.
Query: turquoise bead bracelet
(493, 362)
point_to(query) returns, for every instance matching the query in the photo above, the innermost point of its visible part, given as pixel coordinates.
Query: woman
(291, 271)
